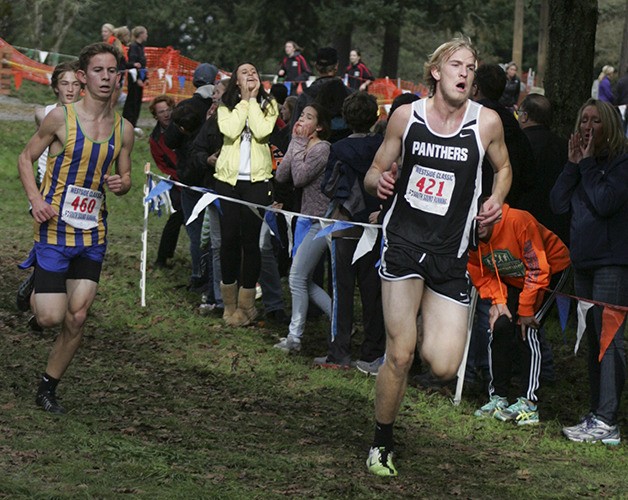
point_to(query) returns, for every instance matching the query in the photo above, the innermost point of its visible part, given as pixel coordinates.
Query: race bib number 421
(81, 207)
(430, 190)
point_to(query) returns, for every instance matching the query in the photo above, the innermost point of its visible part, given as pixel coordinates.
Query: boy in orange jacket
(517, 258)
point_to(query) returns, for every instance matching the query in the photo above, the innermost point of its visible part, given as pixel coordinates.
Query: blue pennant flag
(336, 226)
(160, 188)
(300, 231)
(563, 304)
(271, 219)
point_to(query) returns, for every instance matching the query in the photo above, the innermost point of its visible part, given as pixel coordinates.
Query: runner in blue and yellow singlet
(85, 140)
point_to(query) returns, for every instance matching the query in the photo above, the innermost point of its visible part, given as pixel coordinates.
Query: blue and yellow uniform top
(73, 184)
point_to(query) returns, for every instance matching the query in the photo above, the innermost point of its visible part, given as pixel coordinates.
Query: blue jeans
(189, 199)
(302, 286)
(269, 278)
(212, 217)
(606, 378)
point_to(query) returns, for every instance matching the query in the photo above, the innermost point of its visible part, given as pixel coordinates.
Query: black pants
(133, 103)
(170, 233)
(240, 258)
(369, 284)
(506, 337)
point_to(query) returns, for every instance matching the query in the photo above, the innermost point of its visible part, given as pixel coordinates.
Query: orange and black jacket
(521, 253)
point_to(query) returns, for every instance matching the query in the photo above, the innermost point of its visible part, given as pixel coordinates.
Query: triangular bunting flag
(366, 243)
(42, 55)
(182, 82)
(17, 79)
(289, 218)
(142, 74)
(206, 199)
(302, 227)
(157, 190)
(169, 81)
(583, 308)
(271, 219)
(256, 212)
(563, 304)
(332, 228)
(160, 73)
(611, 321)
(133, 74)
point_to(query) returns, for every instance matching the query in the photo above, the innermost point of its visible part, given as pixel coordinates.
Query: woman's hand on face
(574, 153)
(588, 149)
(254, 89)
(301, 130)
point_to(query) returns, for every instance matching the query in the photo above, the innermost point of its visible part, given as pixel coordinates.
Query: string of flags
(612, 316)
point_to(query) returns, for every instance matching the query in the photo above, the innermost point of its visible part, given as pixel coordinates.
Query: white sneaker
(592, 430)
(288, 344)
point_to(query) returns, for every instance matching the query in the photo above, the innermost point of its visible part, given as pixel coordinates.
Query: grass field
(164, 403)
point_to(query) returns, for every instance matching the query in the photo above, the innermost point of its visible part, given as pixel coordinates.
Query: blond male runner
(84, 141)
(441, 141)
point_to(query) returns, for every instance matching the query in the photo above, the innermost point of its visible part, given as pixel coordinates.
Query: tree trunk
(66, 14)
(543, 40)
(572, 25)
(392, 43)
(517, 35)
(342, 42)
(38, 17)
(623, 60)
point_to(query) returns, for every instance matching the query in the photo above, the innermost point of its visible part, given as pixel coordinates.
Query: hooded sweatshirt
(349, 160)
(526, 255)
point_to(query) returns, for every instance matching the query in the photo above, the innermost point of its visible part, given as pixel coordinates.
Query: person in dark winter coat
(594, 187)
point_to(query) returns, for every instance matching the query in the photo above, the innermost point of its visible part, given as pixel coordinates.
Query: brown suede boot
(246, 311)
(229, 299)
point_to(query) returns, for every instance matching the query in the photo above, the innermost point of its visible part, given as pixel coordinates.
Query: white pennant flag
(160, 73)
(206, 199)
(256, 212)
(366, 243)
(133, 73)
(289, 232)
(583, 308)
(169, 81)
(42, 55)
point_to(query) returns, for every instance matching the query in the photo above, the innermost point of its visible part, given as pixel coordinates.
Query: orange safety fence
(171, 73)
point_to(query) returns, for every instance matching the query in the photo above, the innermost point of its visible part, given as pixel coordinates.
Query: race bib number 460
(81, 207)
(430, 190)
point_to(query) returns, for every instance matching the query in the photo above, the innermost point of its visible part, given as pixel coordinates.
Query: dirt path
(14, 110)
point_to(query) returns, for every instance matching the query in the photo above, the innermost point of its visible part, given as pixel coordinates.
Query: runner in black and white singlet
(430, 214)
(442, 141)
(439, 180)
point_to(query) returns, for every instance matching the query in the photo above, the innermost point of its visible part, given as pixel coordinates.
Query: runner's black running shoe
(48, 402)
(24, 293)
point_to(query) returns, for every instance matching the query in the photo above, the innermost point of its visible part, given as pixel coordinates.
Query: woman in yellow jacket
(246, 119)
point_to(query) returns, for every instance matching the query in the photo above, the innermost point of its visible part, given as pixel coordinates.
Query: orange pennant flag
(611, 321)
(17, 79)
(299, 89)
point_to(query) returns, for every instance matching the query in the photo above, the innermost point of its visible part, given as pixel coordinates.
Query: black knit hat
(326, 56)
